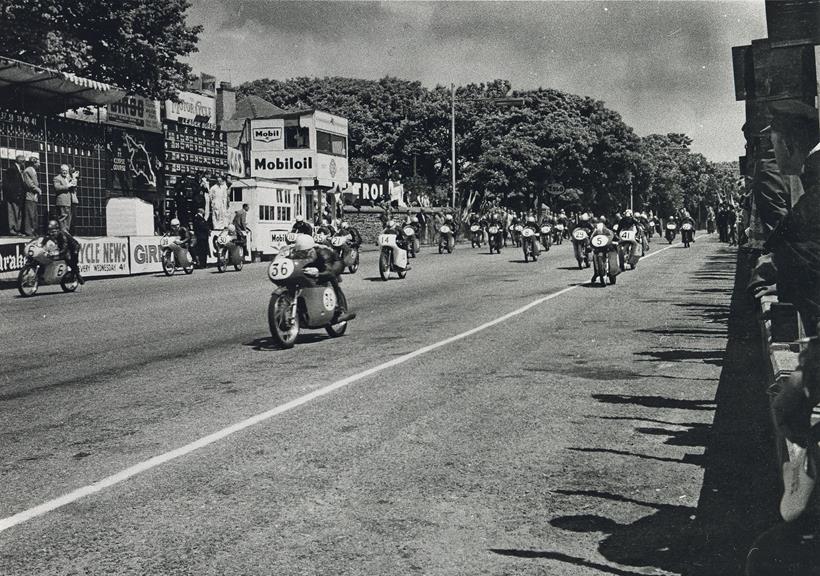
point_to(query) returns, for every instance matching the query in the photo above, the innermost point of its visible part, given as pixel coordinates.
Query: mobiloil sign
(283, 164)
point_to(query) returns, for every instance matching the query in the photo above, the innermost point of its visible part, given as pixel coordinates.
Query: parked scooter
(300, 300)
(580, 245)
(605, 258)
(446, 239)
(476, 236)
(628, 248)
(495, 238)
(175, 256)
(44, 267)
(529, 243)
(228, 252)
(671, 231)
(393, 258)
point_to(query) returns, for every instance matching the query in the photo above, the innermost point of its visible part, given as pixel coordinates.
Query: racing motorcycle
(671, 231)
(44, 267)
(476, 236)
(346, 250)
(546, 237)
(445, 240)
(687, 233)
(580, 244)
(301, 300)
(605, 258)
(495, 238)
(558, 234)
(175, 256)
(413, 243)
(529, 242)
(628, 248)
(228, 252)
(515, 234)
(393, 258)
(650, 229)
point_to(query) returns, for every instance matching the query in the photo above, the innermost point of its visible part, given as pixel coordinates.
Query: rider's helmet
(231, 228)
(449, 218)
(175, 223)
(300, 218)
(627, 213)
(584, 217)
(325, 222)
(602, 219)
(391, 223)
(415, 220)
(303, 243)
(53, 228)
(531, 219)
(345, 225)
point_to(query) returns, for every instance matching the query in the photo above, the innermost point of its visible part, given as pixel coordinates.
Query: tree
(134, 44)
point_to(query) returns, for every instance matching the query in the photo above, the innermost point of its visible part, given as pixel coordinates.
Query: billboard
(268, 134)
(192, 108)
(134, 112)
(106, 256)
(283, 164)
(145, 254)
(236, 162)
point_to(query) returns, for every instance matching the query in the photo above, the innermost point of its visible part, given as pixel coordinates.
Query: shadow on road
(268, 344)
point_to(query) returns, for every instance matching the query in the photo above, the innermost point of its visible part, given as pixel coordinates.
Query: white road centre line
(114, 479)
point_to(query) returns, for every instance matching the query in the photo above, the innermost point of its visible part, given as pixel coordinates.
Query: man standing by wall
(14, 191)
(65, 184)
(33, 192)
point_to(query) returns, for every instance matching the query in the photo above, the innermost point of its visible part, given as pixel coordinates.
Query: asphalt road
(565, 439)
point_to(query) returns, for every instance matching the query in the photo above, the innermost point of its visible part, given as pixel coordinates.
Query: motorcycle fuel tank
(320, 305)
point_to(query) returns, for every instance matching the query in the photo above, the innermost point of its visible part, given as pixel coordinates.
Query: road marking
(146, 465)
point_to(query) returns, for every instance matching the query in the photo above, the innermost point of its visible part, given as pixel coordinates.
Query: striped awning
(70, 90)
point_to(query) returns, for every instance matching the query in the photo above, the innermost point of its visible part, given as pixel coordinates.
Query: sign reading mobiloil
(283, 164)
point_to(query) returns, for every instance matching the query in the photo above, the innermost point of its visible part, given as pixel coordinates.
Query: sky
(665, 66)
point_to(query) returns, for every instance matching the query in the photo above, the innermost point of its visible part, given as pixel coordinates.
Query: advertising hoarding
(106, 256)
(145, 254)
(283, 164)
(268, 134)
(236, 162)
(192, 108)
(134, 112)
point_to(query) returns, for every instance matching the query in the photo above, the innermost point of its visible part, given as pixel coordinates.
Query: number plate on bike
(600, 241)
(280, 269)
(627, 235)
(580, 234)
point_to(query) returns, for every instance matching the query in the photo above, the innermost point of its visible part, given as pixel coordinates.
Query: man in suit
(33, 191)
(14, 192)
(65, 183)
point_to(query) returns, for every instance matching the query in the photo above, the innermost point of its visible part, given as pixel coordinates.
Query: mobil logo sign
(267, 134)
(283, 164)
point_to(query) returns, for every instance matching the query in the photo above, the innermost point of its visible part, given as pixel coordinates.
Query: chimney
(225, 102)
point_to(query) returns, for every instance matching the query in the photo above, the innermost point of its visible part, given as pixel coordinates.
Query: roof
(249, 107)
(60, 89)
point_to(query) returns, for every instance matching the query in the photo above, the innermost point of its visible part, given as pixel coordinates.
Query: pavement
(481, 416)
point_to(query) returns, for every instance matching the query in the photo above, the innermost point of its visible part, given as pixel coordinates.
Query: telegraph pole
(453, 139)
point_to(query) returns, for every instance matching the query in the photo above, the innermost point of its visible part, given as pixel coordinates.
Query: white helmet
(231, 228)
(175, 222)
(300, 218)
(391, 223)
(627, 212)
(448, 217)
(415, 220)
(345, 225)
(303, 242)
(584, 217)
(530, 218)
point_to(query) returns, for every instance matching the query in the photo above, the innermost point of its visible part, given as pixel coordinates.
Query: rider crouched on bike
(327, 262)
(302, 227)
(186, 239)
(687, 219)
(69, 248)
(599, 229)
(355, 236)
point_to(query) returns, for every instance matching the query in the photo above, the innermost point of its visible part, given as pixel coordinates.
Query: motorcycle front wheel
(238, 266)
(384, 265)
(168, 265)
(27, 281)
(355, 266)
(69, 282)
(283, 328)
(220, 265)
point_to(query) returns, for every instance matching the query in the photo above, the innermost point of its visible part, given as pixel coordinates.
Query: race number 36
(280, 269)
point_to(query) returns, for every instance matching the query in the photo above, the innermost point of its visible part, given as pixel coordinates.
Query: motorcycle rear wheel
(283, 329)
(220, 265)
(384, 265)
(238, 266)
(338, 329)
(27, 281)
(189, 269)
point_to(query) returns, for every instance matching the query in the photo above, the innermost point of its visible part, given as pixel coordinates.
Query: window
(333, 144)
(236, 194)
(266, 213)
(296, 137)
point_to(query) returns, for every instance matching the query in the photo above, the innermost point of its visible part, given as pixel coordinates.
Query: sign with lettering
(236, 162)
(267, 134)
(134, 112)
(274, 165)
(106, 256)
(145, 254)
(192, 108)
(12, 257)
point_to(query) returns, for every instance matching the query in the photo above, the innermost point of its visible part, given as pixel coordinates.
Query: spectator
(219, 202)
(202, 198)
(33, 192)
(731, 223)
(65, 183)
(14, 193)
(240, 221)
(201, 233)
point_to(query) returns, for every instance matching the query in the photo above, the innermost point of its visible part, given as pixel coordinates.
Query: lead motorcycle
(687, 233)
(580, 245)
(393, 258)
(605, 258)
(301, 300)
(175, 256)
(44, 267)
(529, 242)
(495, 237)
(228, 252)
